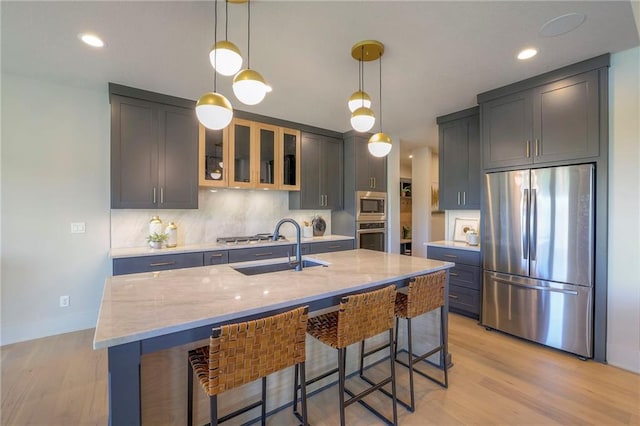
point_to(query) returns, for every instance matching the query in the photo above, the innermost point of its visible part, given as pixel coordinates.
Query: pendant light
(225, 56)
(213, 110)
(359, 98)
(380, 144)
(248, 85)
(362, 118)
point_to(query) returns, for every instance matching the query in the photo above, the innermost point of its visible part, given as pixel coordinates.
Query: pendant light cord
(249, 34)
(215, 41)
(362, 75)
(380, 93)
(226, 20)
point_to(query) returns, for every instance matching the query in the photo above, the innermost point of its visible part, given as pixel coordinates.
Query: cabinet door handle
(453, 296)
(464, 198)
(374, 183)
(263, 254)
(321, 199)
(326, 200)
(162, 195)
(537, 147)
(162, 263)
(528, 149)
(154, 195)
(458, 197)
(451, 256)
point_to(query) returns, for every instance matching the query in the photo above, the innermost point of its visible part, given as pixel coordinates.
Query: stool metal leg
(392, 366)
(189, 394)
(412, 405)
(303, 394)
(264, 401)
(342, 355)
(213, 410)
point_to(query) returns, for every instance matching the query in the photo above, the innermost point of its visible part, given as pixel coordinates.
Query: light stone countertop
(141, 306)
(452, 245)
(117, 253)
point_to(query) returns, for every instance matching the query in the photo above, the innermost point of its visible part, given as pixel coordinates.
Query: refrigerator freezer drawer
(556, 315)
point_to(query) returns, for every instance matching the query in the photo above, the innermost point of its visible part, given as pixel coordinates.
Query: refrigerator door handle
(524, 206)
(534, 225)
(536, 287)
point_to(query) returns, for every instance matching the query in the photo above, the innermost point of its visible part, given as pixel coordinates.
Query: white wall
(393, 198)
(623, 326)
(55, 170)
(420, 200)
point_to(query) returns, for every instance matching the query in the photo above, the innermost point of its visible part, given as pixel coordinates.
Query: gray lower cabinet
(217, 257)
(260, 253)
(154, 151)
(459, 156)
(558, 121)
(163, 262)
(369, 173)
(321, 169)
(464, 279)
(329, 246)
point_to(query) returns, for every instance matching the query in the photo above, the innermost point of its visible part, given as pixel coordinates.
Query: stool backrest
(426, 293)
(243, 352)
(364, 315)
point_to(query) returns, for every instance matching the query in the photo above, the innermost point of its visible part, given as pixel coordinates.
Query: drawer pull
(216, 255)
(453, 274)
(337, 246)
(162, 263)
(453, 296)
(263, 254)
(451, 256)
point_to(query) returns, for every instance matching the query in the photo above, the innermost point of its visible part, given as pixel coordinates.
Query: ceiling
(438, 55)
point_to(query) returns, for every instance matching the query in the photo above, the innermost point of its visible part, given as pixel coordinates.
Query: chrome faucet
(298, 247)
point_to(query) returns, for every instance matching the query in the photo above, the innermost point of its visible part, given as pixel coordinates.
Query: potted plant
(155, 240)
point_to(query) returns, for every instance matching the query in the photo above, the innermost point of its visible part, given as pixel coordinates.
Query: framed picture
(462, 226)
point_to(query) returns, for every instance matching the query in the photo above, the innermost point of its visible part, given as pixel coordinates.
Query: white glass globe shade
(379, 145)
(359, 99)
(214, 111)
(362, 119)
(249, 87)
(225, 58)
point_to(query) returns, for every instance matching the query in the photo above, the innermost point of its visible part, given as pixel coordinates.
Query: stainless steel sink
(274, 267)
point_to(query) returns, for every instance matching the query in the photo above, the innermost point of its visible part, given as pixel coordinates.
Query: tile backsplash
(221, 213)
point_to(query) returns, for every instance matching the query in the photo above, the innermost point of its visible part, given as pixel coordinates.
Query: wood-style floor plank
(496, 379)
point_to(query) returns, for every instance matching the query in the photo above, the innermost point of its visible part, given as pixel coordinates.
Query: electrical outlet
(77, 227)
(65, 301)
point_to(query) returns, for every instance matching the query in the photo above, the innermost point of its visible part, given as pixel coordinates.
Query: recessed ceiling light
(527, 53)
(91, 39)
(562, 24)
(411, 156)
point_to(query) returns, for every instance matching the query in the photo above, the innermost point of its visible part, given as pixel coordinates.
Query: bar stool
(359, 317)
(425, 293)
(244, 352)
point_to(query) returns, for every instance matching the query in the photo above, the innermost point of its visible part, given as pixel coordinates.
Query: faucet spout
(276, 234)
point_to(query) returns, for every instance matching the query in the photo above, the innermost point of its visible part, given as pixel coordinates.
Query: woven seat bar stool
(244, 352)
(425, 293)
(359, 317)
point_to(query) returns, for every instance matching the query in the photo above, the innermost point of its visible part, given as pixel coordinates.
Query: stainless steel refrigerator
(538, 250)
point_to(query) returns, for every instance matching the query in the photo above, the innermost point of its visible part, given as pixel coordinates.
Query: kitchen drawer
(465, 276)
(132, 265)
(217, 257)
(258, 253)
(329, 246)
(467, 257)
(463, 300)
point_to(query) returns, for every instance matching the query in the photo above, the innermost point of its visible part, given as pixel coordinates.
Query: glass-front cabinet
(289, 177)
(249, 154)
(214, 155)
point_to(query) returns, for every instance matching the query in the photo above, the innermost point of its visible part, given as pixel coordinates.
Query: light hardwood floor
(496, 379)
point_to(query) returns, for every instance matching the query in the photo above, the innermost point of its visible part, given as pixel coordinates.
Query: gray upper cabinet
(321, 174)
(459, 156)
(370, 172)
(154, 152)
(552, 122)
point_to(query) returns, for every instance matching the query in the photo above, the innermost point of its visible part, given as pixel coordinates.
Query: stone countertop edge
(153, 300)
(124, 252)
(453, 245)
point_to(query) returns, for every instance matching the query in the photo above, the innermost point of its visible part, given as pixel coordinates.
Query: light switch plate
(77, 227)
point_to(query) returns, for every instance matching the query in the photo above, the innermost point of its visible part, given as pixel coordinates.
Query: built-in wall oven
(371, 206)
(371, 235)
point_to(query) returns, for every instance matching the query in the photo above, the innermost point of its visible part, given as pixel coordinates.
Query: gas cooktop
(253, 239)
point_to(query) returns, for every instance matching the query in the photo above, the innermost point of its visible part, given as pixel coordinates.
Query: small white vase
(155, 244)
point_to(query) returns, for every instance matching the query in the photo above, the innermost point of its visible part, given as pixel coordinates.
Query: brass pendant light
(225, 56)
(359, 98)
(363, 118)
(248, 85)
(214, 111)
(380, 144)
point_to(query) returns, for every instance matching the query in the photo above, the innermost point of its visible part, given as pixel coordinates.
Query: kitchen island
(148, 312)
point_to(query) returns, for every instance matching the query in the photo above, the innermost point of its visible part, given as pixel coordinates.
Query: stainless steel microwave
(371, 205)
